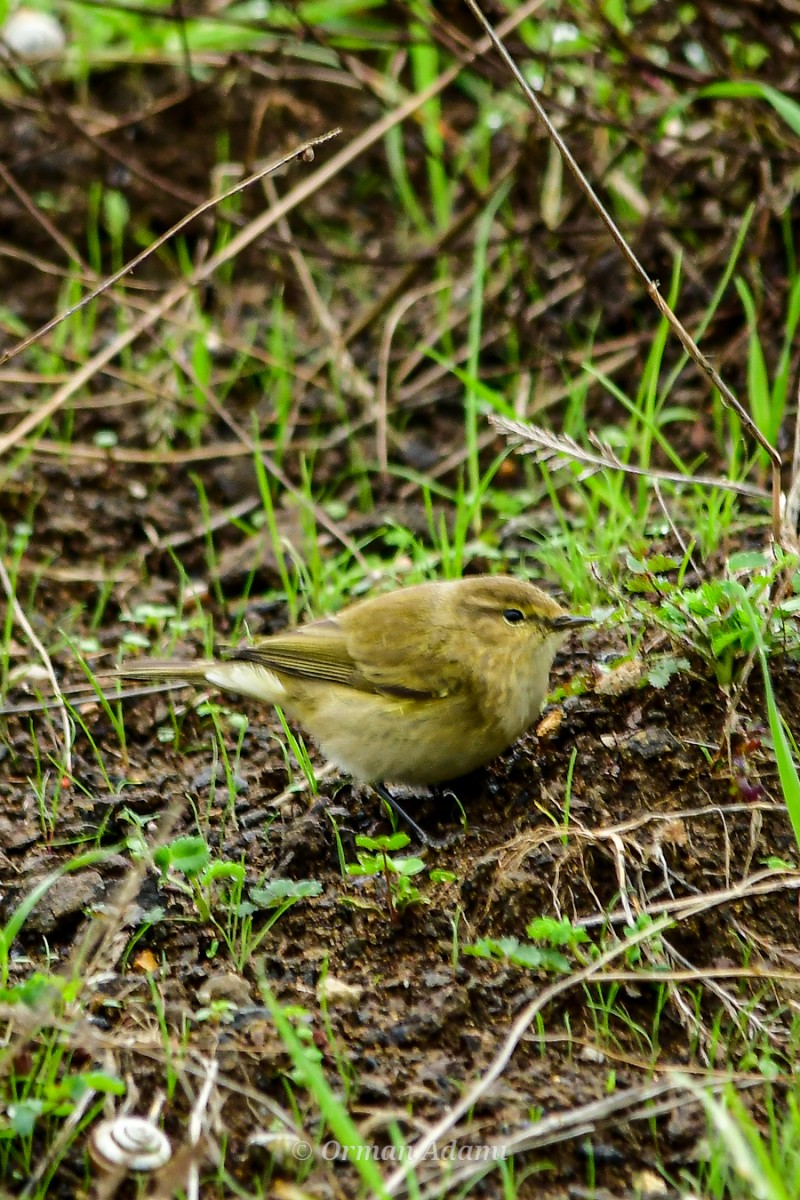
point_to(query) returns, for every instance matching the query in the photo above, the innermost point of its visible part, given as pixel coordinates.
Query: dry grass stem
(58, 701)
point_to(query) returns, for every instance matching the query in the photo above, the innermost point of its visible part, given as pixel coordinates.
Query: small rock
(684, 1125)
(622, 678)
(354, 947)
(601, 1152)
(402, 1034)
(337, 992)
(648, 1185)
(590, 1054)
(68, 895)
(437, 979)
(372, 1090)
(203, 779)
(225, 986)
(652, 742)
(16, 833)
(550, 723)
(471, 1042)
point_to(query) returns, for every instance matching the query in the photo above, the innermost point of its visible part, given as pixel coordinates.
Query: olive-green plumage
(418, 686)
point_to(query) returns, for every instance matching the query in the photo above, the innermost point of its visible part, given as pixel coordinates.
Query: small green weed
(549, 937)
(714, 619)
(397, 873)
(298, 1040)
(222, 897)
(42, 1088)
(743, 1163)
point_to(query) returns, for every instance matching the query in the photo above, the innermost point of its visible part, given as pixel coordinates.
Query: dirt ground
(660, 817)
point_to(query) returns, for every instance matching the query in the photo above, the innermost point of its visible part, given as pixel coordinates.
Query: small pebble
(203, 779)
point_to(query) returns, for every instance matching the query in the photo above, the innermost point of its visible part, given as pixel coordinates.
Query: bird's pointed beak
(570, 621)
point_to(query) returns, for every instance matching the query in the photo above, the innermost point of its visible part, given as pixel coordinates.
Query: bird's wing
(315, 651)
(375, 660)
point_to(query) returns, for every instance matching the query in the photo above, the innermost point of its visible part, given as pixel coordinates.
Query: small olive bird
(417, 686)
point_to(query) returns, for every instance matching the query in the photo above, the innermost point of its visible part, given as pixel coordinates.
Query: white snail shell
(130, 1143)
(32, 35)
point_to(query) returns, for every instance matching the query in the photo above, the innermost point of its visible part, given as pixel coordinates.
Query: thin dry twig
(394, 318)
(336, 349)
(684, 337)
(271, 467)
(645, 1102)
(82, 698)
(80, 451)
(50, 229)
(674, 913)
(297, 195)
(442, 1128)
(156, 311)
(25, 625)
(740, 1009)
(218, 198)
(105, 939)
(783, 588)
(676, 533)
(791, 512)
(56, 1148)
(196, 1123)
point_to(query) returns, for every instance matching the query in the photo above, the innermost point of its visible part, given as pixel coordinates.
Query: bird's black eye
(513, 616)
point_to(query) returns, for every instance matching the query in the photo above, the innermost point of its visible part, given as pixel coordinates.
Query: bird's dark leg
(389, 799)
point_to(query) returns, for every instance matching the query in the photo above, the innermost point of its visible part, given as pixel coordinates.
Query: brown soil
(654, 811)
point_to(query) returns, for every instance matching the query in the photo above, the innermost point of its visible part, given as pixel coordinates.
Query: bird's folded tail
(165, 668)
(232, 675)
